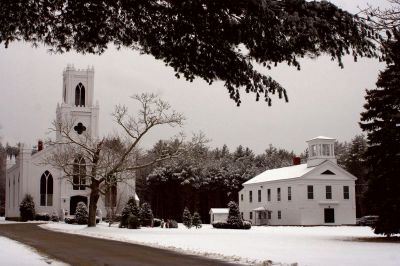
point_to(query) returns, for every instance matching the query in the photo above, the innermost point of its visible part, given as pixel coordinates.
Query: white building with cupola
(318, 192)
(52, 193)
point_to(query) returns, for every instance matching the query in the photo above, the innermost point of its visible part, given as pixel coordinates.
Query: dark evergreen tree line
(203, 179)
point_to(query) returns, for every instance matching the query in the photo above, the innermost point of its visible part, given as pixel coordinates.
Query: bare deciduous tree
(383, 19)
(99, 164)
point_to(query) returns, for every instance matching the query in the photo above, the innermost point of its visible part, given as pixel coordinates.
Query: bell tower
(320, 149)
(77, 101)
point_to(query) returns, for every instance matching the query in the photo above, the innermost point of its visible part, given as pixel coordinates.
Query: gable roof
(280, 174)
(321, 137)
(219, 210)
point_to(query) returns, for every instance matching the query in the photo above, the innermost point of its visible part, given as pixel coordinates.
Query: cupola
(320, 149)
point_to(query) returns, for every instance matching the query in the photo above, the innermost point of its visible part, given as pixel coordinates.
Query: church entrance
(74, 202)
(329, 215)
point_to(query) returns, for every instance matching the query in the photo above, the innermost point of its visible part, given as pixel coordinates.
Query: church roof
(321, 137)
(280, 174)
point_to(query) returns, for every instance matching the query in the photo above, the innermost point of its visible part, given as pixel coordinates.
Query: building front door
(329, 215)
(74, 202)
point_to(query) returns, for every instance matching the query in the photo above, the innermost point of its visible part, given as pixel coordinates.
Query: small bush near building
(133, 222)
(146, 215)
(70, 220)
(246, 225)
(196, 220)
(54, 217)
(225, 225)
(156, 222)
(129, 209)
(42, 217)
(220, 225)
(27, 208)
(81, 213)
(187, 218)
(171, 224)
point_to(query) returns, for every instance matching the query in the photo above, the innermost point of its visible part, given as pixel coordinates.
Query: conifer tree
(129, 209)
(196, 220)
(27, 208)
(146, 215)
(381, 122)
(187, 218)
(234, 217)
(81, 213)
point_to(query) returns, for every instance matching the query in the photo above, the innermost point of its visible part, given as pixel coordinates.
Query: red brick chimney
(296, 160)
(40, 145)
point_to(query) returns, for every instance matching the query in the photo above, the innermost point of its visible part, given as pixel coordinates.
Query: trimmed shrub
(81, 213)
(133, 222)
(42, 217)
(146, 215)
(172, 224)
(156, 222)
(196, 220)
(69, 220)
(246, 225)
(27, 208)
(54, 217)
(220, 225)
(187, 218)
(225, 225)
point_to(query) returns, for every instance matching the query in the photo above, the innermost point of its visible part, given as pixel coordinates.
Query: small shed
(218, 214)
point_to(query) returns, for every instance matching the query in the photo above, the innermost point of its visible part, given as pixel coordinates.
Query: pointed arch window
(79, 177)
(65, 94)
(46, 189)
(80, 95)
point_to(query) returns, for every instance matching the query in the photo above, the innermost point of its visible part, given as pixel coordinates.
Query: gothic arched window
(65, 94)
(46, 189)
(80, 95)
(79, 177)
(50, 191)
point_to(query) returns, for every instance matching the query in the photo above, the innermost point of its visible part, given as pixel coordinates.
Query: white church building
(51, 192)
(318, 192)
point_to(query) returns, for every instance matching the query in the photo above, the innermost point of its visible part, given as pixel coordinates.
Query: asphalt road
(82, 250)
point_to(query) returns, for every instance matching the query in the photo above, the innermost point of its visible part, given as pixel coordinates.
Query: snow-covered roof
(260, 209)
(280, 174)
(219, 210)
(321, 137)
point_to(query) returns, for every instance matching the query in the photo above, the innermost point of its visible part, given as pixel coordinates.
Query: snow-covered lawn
(15, 253)
(304, 245)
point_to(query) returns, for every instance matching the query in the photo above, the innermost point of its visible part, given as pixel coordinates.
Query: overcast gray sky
(324, 99)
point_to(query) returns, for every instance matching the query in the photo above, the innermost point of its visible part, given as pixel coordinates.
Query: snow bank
(330, 246)
(15, 253)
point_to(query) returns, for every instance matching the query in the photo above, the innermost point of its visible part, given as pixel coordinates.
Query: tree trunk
(94, 197)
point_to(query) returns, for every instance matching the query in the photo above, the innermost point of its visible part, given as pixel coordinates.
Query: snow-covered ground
(304, 245)
(15, 253)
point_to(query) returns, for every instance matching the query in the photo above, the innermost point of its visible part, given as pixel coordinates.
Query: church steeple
(78, 86)
(320, 149)
(77, 101)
